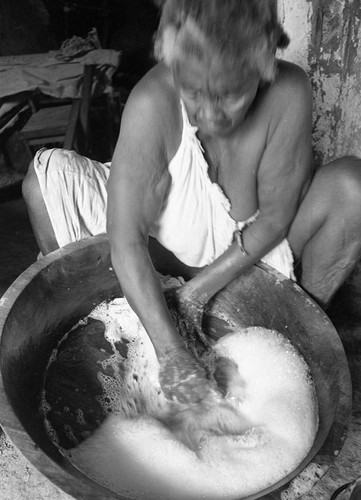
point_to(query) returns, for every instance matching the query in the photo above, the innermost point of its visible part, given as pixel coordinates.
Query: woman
(214, 160)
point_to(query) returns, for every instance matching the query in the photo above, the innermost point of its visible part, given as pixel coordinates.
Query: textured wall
(325, 41)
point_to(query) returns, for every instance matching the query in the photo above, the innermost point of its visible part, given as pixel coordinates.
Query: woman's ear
(159, 3)
(283, 39)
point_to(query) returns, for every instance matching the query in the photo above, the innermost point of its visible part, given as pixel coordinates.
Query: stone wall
(325, 41)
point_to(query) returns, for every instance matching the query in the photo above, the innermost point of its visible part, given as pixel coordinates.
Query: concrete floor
(21, 481)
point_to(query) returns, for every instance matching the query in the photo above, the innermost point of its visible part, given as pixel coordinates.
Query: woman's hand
(187, 315)
(183, 374)
(196, 363)
(183, 377)
(228, 379)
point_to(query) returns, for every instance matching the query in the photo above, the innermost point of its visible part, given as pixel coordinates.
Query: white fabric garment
(194, 223)
(74, 191)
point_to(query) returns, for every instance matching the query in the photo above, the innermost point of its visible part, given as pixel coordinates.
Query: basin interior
(55, 293)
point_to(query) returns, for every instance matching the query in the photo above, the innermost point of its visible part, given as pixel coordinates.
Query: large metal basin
(55, 292)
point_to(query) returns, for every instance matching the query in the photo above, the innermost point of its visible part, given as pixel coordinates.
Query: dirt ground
(20, 480)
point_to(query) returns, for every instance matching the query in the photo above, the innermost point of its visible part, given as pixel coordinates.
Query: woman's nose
(211, 110)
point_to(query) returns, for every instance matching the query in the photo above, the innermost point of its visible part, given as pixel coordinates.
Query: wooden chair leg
(70, 141)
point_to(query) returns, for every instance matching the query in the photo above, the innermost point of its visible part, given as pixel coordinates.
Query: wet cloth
(194, 222)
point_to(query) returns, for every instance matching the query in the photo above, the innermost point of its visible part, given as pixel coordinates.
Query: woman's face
(217, 97)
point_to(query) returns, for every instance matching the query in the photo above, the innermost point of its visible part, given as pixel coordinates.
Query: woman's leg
(326, 232)
(66, 196)
(38, 214)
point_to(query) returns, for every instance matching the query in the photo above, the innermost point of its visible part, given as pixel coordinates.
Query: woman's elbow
(125, 245)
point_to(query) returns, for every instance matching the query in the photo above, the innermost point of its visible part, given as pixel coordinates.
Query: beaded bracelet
(238, 237)
(238, 233)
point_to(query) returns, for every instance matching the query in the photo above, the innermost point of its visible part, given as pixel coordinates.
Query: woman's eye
(232, 97)
(193, 94)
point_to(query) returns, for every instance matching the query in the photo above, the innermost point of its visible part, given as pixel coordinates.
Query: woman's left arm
(283, 176)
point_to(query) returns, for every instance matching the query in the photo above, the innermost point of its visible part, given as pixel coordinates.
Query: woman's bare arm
(138, 184)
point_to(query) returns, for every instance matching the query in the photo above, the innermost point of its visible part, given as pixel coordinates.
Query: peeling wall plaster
(325, 41)
(295, 16)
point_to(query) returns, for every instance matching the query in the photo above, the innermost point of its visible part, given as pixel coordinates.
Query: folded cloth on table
(55, 77)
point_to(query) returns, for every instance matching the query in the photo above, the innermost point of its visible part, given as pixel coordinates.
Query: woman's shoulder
(289, 92)
(291, 81)
(155, 103)
(155, 92)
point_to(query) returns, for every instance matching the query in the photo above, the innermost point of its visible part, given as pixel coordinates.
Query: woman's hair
(244, 33)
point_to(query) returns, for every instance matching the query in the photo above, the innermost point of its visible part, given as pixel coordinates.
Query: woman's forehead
(211, 72)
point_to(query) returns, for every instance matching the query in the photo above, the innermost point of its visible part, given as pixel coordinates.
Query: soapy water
(135, 454)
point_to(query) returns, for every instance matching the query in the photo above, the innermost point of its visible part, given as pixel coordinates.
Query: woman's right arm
(137, 187)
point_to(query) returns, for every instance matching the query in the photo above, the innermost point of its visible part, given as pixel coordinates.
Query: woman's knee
(39, 218)
(334, 196)
(30, 186)
(341, 181)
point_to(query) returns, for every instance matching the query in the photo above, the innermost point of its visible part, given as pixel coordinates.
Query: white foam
(140, 459)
